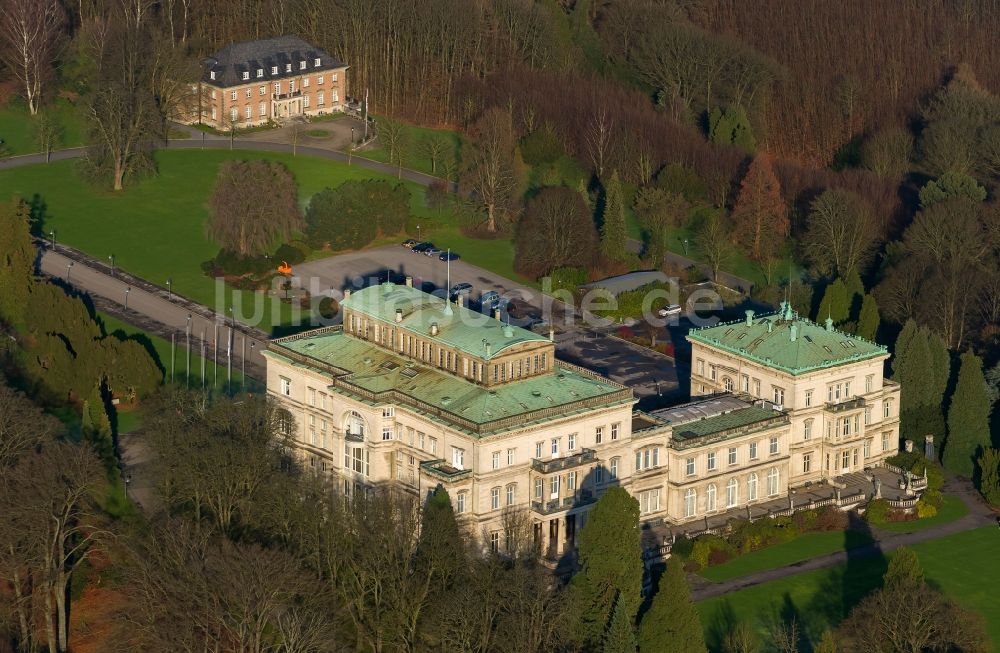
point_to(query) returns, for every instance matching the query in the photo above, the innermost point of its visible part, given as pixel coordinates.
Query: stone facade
(538, 442)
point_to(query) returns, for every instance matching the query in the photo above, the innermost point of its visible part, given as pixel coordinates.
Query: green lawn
(17, 126)
(963, 565)
(415, 156)
(804, 547)
(155, 229)
(951, 509)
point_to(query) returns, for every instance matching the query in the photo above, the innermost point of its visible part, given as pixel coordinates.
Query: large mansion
(416, 391)
(271, 80)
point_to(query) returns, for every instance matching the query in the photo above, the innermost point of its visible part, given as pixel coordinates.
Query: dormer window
(211, 74)
(260, 72)
(246, 75)
(302, 65)
(288, 67)
(316, 62)
(274, 70)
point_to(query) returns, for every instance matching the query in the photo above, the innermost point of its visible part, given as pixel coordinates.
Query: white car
(670, 310)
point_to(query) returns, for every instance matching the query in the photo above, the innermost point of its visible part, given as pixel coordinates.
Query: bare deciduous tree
(254, 203)
(29, 34)
(491, 173)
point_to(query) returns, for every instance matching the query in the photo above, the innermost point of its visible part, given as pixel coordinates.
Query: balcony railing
(581, 498)
(566, 462)
(286, 96)
(848, 404)
(440, 469)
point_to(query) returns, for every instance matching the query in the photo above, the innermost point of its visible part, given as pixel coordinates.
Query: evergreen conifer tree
(620, 637)
(672, 625)
(868, 320)
(989, 475)
(968, 418)
(610, 558)
(17, 256)
(836, 303)
(826, 644)
(613, 234)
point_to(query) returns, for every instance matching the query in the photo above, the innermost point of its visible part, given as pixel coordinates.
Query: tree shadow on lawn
(836, 591)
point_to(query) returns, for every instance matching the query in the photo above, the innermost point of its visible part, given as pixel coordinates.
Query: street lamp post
(352, 135)
(187, 367)
(169, 294)
(128, 289)
(418, 232)
(69, 268)
(111, 260)
(52, 238)
(685, 247)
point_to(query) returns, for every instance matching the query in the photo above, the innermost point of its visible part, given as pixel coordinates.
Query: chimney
(793, 331)
(829, 324)
(496, 314)
(749, 318)
(347, 293)
(552, 335)
(489, 349)
(409, 281)
(399, 315)
(508, 331)
(460, 300)
(434, 328)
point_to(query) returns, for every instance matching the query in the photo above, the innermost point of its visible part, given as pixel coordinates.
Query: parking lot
(653, 377)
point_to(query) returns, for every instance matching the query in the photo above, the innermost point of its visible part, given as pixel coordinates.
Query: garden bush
(878, 512)
(230, 263)
(290, 254)
(703, 547)
(925, 509)
(353, 214)
(569, 278)
(682, 547)
(540, 147)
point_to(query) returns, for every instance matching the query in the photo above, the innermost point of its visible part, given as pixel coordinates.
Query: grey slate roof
(230, 62)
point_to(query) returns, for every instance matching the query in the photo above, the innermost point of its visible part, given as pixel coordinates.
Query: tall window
(511, 492)
(494, 498)
(538, 449)
(555, 446)
(807, 429)
(732, 493)
(732, 455)
(885, 441)
(710, 498)
(510, 456)
(809, 398)
(868, 415)
(647, 458)
(286, 387)
(355, 459)
(887, 409)
(354, 424)
(598, 434)
(614, 467)
(649, 501)
(711, 461)
(614, 430)
(753, 451)
(689, 467)
(458, 458)
(460, 502)
(752, 487)
(571, 481)
(779, 396)
(772, 482)
(727, 384)
(773, 445)
(571, 444)
(495, 541)
(386, 432)
(690, 497)
(806, 463)
(868, 448)
(554, 487)
(496, 460)
(746, 383)
(233, 95)
(539, 488)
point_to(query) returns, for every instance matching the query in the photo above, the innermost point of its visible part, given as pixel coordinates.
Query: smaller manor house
(271, 80)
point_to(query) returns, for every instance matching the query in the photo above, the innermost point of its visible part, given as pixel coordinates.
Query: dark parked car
(422, 247)
(449, 256)
(432, 251)
(461, 288)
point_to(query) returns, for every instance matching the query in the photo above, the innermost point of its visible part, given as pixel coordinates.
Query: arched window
(494, 498)
(690, 497)
(772, 482)
(752, 487)
(732, 493)
(354, 424)
(710, 498)
(727, 383)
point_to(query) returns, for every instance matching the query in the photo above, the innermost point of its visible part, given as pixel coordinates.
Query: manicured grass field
(415, 157)
(155, 228)
(951, 509)
(962, 565)
(17, 126)
(804, 547)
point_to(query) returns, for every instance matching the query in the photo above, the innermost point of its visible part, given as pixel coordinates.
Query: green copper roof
(380, 376)
(787, 342)
(462, 328)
